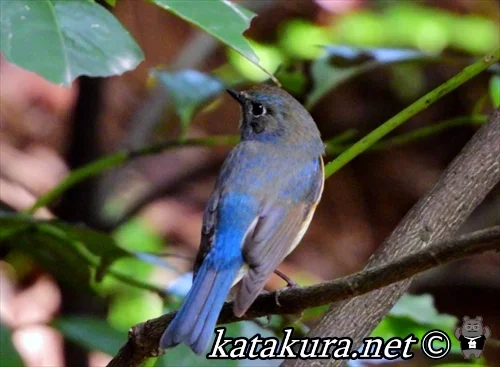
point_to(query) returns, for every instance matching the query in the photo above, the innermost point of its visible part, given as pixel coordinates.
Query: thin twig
(352, 152)
(119, 158)
(333, 146)
(421, 104)
(95, 262)
(144, 338)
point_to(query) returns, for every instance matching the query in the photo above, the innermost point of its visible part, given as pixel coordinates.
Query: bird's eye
(258, 109)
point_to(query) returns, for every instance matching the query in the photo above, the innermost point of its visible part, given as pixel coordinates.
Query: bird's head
(270, 114)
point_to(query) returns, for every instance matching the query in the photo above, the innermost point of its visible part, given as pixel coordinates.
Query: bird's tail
(196, 319)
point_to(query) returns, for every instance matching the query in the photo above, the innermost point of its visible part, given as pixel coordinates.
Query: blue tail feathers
(196, 319)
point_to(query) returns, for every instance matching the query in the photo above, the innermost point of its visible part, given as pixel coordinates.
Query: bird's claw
(290, 283)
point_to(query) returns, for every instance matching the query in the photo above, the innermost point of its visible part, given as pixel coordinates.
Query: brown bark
(461, 188)
(144, 338)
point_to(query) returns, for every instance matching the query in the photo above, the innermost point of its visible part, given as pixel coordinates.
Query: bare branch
(144, 338)
(461, 188)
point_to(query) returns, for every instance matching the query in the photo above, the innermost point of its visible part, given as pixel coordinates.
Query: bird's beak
(237, 96)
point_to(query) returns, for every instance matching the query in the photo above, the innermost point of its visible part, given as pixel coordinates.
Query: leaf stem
(417, 134)
(94, 261)
(119, 158)
(451, 84)
(427, 131)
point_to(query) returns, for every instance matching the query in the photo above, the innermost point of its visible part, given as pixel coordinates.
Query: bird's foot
(290, 283)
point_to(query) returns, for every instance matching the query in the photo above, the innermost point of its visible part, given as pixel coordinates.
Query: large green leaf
(189, 89)
(62, 40)
(416, 314)
(99, 244)
(10, 356)
(91, 333)
(11, 224)
(421, 309)
(222, 19)
(340, 63)
(58, 256)
(77, 246)
(131, 305)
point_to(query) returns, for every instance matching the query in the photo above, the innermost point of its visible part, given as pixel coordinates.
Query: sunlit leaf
(482, 34)
(131, 305)
(61, 40)
(189, 90)
(416, 314)
(10, 356)
(223, 19)
(91, 333)
(464, 364)
(76, 244)
(421, 309)
(182, 356)
(270, 59)
(302, 39)
(495, 90)
(340, 63)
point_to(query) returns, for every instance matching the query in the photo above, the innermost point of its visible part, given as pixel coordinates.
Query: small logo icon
(472, 336)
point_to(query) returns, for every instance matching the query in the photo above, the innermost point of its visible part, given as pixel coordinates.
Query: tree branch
(116, 159)
(421, 104)
(119, 158)
(333, 145)
(144, 338)
(461, 188)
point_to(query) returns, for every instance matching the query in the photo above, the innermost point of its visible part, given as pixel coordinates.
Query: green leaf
(421, 309)
(495, 90)
(181, 355)
(10, 356)
(294, 81)
(416, 314)
(74, 246)
(270, 58)
(11, 224)
(303, 39)
(58, 256)
(129, 304)
(133, 306)
(222, 19)
(73, 38)
(91, 333)
(340, 63)
(99, 244)
(464, 364)
(111, 2)
(189, 90)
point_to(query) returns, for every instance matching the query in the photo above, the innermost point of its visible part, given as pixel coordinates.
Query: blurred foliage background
(122, 247)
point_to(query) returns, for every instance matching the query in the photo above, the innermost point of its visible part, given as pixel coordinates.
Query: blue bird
(261, 206)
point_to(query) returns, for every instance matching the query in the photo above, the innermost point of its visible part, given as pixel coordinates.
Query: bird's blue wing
(278, 230)
(228, 219)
